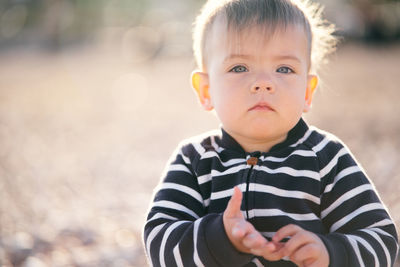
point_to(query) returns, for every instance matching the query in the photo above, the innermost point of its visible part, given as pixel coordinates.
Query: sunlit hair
(270, 15)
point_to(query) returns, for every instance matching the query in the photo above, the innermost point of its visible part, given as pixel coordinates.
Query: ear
(312, 82)
(200, 84)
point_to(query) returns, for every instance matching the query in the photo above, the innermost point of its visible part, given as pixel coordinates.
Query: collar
(297, 132)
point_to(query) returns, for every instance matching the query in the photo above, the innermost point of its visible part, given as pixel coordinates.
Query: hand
(241, 233)
(304, 248)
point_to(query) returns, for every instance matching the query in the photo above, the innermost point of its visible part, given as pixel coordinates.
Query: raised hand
(304, 248)
(241, 233)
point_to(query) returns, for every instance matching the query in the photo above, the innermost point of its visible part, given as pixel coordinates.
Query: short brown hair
(240, 14)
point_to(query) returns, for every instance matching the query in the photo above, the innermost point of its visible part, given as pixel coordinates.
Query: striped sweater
(311, 180)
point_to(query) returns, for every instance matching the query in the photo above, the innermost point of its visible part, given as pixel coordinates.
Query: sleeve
(361, 231)
(178, 230)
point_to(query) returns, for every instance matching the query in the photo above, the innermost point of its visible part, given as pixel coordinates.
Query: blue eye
(238, 69)
(284, 70)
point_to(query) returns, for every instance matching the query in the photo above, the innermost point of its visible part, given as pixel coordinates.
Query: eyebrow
(288, 57)
(278, 57)
(235, 56)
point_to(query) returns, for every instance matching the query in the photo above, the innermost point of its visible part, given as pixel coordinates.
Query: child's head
(255, 58)
(269, 15)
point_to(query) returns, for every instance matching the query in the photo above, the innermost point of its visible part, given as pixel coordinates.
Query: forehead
(256, 39)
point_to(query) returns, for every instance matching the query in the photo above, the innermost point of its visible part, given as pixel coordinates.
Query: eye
(284, 70)
(238, 69)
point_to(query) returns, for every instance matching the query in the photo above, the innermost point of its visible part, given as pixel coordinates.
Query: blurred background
(95, 96)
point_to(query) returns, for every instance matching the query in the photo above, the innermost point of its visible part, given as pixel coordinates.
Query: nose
(261, 84)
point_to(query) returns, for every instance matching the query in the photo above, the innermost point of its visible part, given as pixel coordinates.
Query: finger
(298, 240)
(269, 252)
(277, 246)
(306, 255)
(233, 208)
(242, 228)
(286, 231)
(254, 240)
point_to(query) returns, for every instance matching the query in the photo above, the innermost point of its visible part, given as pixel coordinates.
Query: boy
(265, 190)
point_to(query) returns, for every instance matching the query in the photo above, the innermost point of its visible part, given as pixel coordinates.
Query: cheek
(224, 92)
(222, 101)
(295, 98)
(298, 90)
(226, 103)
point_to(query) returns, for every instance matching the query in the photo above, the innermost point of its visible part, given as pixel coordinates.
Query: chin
(262, 129)
(264, 132)
(261, 134)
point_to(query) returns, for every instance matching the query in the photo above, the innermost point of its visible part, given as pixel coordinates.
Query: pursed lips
(262, 106)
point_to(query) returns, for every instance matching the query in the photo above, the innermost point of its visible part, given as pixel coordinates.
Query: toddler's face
(259, 87)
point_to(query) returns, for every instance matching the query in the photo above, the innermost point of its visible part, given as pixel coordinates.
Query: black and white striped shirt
(311, 180)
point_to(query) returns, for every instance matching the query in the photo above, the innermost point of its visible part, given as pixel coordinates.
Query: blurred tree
(381, 18)
(54, 23)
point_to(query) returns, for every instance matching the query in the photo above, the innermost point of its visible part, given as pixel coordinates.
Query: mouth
(262, 106)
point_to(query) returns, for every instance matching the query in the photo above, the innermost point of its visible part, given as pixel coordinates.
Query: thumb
(233, 208)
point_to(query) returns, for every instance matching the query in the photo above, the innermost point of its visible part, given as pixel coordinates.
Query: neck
(252, 145)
